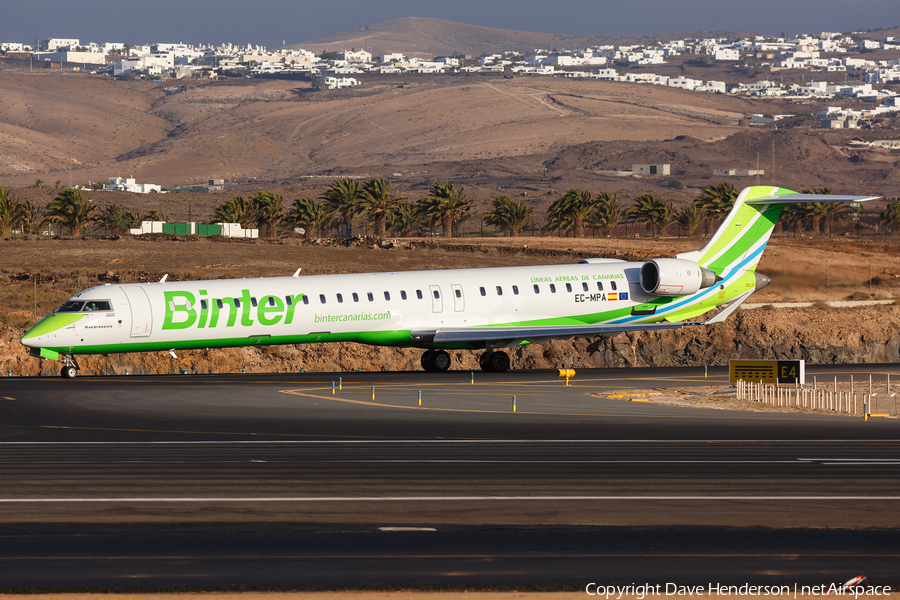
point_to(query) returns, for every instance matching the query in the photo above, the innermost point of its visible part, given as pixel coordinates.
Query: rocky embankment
(820, 335)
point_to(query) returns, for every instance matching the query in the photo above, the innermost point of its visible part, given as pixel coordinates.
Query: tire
(427, 360)
(500, 362)
(440, 360)
(484, 361)
(68, 372)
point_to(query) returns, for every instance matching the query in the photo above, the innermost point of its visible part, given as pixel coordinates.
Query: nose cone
(48, 328)
(761, 280)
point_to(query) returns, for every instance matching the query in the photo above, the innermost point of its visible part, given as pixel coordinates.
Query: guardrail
(866, 399)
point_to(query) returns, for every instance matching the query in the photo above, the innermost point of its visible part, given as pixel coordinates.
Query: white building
(54, 44)
(119, 184)
(12, 47)
(336, 83)
(93, 58)
(726, 54)
(358, 57)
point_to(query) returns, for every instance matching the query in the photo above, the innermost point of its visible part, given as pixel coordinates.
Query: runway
(211, 470)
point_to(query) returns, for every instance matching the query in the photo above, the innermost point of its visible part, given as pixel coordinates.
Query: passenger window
(203, 305)
(403, 294)
(568, 287)
(458, 293)
(237, 303)
(552, 288)
(499, 291)
(516, 290)
(387, 296)
(419, 294)
(288, 299)
(437, 295)
(483, 293)
(219, 304)
(253, 302)
(340, 298)
(537, 289)
(322, 298)
(305, 299)
(584, 286)
(370, 296)
(612, 284)
(271, 301)
(600, 285)
(355, 297)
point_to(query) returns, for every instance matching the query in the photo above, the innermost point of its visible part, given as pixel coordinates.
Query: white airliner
(434, 310)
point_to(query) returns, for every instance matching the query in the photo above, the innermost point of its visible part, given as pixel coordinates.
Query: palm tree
(820, 213)
(157, 215)
(717, 200)
(71, 209)
(311, 216)
(571, 212)
(31, 218)
(236, 210)
(890, 215)
(793, 216)
(690, 217)
(116, 219)
(446, 204)
(607, 212)
(652, 211)
(508, 214)
(268, 208)
(10, 211)
(378, 203)
(405, 219)
(344, 195)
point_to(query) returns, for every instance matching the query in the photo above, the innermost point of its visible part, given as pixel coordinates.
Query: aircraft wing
(507, 337)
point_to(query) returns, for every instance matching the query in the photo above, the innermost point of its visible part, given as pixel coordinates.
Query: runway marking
(383, 440)
(6, 398)
(491, 498)
(131, 430)
(418, 556)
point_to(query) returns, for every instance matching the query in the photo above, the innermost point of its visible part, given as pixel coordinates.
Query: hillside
(426, 37)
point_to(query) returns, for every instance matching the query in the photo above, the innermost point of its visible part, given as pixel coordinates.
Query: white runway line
(435, 498)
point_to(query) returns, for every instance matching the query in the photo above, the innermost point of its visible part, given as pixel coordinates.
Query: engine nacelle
(675, 277)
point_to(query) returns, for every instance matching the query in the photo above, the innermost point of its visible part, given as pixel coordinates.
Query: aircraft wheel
(499, 362)
(68, 372)
(428, 360)
(440, 360)
(484, 361)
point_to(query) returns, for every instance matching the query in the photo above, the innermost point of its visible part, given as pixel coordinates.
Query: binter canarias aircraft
(437, 311)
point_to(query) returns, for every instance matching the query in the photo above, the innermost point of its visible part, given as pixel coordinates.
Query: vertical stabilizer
(742, 236)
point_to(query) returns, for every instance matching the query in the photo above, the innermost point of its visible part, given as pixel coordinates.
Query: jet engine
(675, 277)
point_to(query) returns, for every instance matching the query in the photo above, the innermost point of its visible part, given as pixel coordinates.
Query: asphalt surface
(272, 480)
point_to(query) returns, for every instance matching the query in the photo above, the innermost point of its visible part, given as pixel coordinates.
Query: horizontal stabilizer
(794, 198)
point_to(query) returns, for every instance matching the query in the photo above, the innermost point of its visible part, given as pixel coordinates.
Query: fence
(851, 398)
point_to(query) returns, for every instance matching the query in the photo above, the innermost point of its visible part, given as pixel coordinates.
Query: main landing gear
(437, 361)
(494, 362)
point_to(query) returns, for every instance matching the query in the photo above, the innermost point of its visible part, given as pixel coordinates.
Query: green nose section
(51, 323)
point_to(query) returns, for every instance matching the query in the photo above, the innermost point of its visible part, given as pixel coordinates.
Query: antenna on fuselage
(163, 280)
(297, 272)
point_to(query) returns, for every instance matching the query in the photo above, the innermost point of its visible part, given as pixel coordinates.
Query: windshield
(71, 306)
(84, 306)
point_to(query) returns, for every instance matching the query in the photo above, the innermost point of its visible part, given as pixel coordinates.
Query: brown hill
(420, 36)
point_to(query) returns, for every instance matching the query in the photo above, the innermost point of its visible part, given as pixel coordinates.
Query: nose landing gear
(70, 369)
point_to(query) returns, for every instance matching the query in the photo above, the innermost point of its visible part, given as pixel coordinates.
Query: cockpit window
(71, 306)
(84, 306)
(96, 306)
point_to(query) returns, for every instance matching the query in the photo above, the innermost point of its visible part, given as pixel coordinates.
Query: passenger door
(141, 315)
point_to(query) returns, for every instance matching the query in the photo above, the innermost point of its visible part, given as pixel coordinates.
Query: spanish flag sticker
(612, 296)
